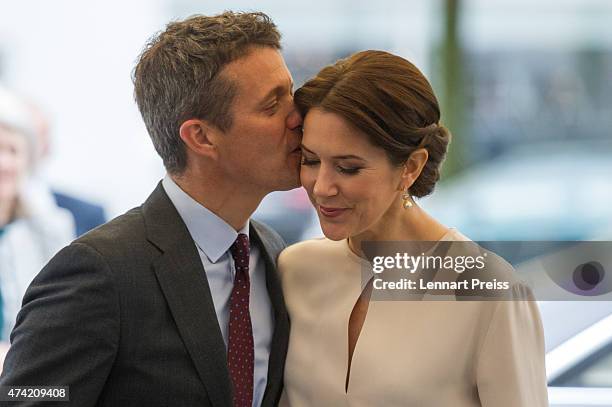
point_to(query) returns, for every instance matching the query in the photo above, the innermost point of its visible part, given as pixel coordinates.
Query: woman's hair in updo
(388, 99)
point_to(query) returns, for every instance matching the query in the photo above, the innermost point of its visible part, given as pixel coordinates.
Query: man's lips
(331, 212)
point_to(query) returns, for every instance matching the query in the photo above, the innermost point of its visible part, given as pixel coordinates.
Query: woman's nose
(325, 185)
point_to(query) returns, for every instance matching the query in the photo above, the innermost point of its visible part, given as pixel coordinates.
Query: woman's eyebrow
(338, 157)
(344, 157)
(303, 147)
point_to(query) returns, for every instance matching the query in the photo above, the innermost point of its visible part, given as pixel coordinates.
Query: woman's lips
(331, 212)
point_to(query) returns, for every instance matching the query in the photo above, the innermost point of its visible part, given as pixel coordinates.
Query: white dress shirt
(213, 237)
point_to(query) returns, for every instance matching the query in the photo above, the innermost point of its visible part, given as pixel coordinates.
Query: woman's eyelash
(306, 161)
(343, 170)
(349, 171)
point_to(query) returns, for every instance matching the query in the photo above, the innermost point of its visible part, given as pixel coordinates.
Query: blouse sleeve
(510, 368)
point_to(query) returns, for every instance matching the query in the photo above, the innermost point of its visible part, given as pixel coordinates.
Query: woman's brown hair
(388, 99)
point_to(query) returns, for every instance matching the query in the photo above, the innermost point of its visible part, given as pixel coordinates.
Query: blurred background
(525, 88)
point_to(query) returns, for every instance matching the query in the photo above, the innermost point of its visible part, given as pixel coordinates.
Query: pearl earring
(407, 203)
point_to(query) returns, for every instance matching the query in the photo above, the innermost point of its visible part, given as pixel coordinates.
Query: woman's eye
(306, 161)
(349, 171)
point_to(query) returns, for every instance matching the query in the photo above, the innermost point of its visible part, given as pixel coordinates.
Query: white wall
(75, 59)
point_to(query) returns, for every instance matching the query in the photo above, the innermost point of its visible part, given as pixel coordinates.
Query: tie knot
(240, 249)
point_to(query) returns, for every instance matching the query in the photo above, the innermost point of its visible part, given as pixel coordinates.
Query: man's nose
(294, 120)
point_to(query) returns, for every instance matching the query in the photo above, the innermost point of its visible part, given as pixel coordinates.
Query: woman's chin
(334, 233)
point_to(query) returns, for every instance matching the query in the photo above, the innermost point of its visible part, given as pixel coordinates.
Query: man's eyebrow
(337, 157)
(273, 92)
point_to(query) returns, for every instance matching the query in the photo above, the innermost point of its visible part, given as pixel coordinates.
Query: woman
(372, 143)
(32, 227)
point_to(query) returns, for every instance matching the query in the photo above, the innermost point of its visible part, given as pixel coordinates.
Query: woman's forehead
(328, 133)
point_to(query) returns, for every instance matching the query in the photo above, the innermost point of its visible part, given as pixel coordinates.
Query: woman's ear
(199, 137)
(413, 167)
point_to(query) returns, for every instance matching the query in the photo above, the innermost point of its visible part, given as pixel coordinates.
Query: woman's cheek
(307, 178)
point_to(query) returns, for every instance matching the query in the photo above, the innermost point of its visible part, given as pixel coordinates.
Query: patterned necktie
(240, 348)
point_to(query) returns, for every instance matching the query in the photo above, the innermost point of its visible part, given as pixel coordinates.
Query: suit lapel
(280, 337)
(182, 279)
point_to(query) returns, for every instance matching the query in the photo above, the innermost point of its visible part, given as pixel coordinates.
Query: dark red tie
(240, 349)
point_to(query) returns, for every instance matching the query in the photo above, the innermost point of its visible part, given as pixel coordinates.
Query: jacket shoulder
(272, 240)
(121, 235)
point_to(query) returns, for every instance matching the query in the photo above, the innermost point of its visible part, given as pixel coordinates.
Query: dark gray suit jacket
(124, 316)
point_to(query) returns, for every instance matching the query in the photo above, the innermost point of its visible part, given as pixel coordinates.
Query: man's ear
(413, 167)
(199, 137)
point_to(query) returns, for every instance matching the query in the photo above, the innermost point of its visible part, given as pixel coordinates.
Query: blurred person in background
(87, 215)
(32, 227)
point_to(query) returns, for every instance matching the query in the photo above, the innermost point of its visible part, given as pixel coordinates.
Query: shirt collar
(211, 233)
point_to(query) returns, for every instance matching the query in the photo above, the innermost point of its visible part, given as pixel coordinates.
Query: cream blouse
(409, 353)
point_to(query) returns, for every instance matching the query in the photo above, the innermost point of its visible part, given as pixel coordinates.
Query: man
(149, 309)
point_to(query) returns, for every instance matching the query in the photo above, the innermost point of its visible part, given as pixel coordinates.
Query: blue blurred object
(287, 212)
(86, 215)
(551, 191)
